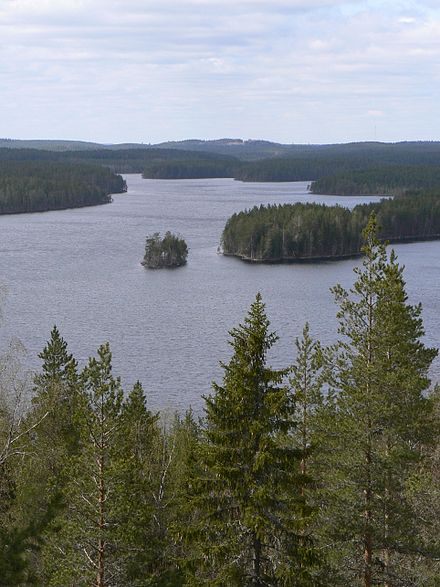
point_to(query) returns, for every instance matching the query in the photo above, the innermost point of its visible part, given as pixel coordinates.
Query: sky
(291, 71)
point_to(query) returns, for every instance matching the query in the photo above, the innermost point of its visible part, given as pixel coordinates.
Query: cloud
(147, 70)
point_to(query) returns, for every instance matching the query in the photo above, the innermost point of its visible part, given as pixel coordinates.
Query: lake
(80, 269)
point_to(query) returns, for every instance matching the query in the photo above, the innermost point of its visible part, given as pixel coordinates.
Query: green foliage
(378, 419)
(98, 490)
(169, 251)
(249, 491)
(394, 180)
(243, 160)
(295, 232)
(39, 186)
(189, 169)
(129, 160)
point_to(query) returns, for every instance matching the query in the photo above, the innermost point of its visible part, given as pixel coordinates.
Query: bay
(80, 269)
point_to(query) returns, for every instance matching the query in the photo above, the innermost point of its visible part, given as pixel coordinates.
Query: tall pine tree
(380, 419)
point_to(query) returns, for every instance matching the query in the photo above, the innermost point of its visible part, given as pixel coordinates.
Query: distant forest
(299, 232)
(258, 161)
(389, 180)
(37, 186)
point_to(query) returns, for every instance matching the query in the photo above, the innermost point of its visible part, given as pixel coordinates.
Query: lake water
(80, 269)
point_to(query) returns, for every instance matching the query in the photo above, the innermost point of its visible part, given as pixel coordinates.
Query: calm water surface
(80, 269)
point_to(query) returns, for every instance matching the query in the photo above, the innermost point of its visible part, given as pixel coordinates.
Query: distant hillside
(134, 160)
(254, 161)
(248, 150)
(48, 145)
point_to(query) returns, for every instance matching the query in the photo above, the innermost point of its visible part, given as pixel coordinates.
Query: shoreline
(328, 258)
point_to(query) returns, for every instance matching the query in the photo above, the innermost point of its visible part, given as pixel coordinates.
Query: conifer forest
(322, 473)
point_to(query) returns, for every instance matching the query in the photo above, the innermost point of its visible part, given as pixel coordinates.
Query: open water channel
(80, 269)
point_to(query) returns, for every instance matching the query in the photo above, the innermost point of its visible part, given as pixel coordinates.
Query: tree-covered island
(169, 251)
(315, 232)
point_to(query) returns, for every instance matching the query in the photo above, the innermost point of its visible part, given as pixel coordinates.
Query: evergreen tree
(140, 533)
(250, 491)
(306, 380)
(42, 473)
(380, 418)
(84, 552)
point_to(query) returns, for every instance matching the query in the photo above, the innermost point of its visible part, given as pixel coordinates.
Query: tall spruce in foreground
(380, 420)
(250, 498)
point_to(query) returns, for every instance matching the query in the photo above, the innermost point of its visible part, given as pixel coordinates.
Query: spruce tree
(140, 533)
(307, 376)
(380, 419)
(249, 495)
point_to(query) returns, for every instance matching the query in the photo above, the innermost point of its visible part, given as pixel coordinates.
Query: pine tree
(84, 552)
(41, 472)
(250, 491)
(380, 420)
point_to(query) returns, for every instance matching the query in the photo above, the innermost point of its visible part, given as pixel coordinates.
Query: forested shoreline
(254, 161)
(388, 180)
(323, 473)
(313, 232)
(39, 186)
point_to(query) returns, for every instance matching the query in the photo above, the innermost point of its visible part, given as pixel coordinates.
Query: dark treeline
(315, 166)
(321, 474)
(190, 169)
(37, 186)
(246, 150)
(392, 180)
(312, 164)
(251, 150)
(123, 160)
(269, 162)
(298, 231)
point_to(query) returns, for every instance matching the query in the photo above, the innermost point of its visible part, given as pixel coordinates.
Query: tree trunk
(256, 581)
(101, 524)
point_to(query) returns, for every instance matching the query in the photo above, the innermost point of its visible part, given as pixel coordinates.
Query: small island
(169, 251)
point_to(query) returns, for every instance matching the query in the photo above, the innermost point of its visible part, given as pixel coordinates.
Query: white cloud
(137, 69)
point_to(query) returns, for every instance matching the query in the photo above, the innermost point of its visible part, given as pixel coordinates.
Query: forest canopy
(37, 186)
(389, 180)
(295, 232)
(243, 160)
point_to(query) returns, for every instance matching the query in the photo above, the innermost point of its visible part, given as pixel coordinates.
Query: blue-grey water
(80, 269)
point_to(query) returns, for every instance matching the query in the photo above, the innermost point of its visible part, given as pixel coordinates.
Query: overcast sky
(294, 71)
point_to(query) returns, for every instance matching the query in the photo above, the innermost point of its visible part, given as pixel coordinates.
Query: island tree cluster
(167, 251)
(292, 232)
(322, 473)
